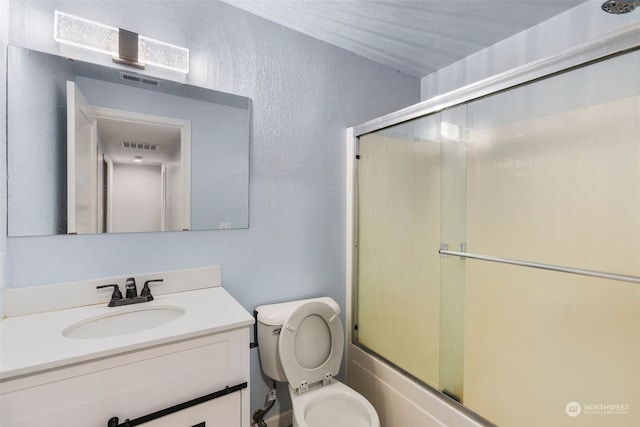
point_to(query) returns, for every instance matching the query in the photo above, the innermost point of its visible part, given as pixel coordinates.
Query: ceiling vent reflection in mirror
(75, 31)
(136, 78)
(139, 145)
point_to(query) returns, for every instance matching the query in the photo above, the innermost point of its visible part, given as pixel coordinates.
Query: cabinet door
(221, 412)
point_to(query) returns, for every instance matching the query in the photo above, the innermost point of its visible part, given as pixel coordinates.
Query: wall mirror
(95, 149)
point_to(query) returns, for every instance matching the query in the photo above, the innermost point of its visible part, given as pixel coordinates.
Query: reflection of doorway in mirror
(136, 198)
(138, 175)
(153, 154)
(82, 164)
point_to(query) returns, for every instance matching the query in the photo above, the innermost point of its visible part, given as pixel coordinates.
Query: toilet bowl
(334, 405)
(301, 343)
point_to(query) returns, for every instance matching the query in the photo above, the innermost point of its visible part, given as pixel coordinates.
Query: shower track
(562, 269)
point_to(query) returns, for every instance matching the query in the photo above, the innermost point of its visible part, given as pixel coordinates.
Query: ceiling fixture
(126, 47)
(137, 159)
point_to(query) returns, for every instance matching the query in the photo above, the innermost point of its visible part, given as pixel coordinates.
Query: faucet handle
(116, 291)
(146, 292)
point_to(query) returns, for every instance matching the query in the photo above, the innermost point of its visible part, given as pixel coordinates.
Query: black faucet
(131, 294)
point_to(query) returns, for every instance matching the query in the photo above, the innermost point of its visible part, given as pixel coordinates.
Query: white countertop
(34, 342)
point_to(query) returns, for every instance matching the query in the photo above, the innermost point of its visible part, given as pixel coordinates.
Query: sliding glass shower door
(399, 195)
(543, 175)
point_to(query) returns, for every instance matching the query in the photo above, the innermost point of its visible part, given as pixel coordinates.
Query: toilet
(301, 343)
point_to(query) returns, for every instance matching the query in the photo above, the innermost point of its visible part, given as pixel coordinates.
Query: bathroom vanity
(181, 360)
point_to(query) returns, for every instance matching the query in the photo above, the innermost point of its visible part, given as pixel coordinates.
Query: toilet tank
(271, 317)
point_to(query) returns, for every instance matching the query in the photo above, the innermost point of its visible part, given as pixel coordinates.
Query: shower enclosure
(497, 246)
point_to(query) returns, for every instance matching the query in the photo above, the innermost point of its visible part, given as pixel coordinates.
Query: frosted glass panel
(553, 176)
(455, 142)
(537, 341)
(398, 308)
(554, 170)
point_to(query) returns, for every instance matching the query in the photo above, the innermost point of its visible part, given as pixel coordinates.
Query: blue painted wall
(305, 94)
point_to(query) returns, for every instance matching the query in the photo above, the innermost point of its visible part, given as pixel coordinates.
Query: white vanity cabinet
(136, 384)
(191, 372)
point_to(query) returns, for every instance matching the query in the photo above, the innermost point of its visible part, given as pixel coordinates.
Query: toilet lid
(311, 343)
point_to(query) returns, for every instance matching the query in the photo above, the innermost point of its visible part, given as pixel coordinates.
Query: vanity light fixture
(125, 46)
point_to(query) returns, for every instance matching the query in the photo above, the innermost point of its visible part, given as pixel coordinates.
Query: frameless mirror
(93, 149)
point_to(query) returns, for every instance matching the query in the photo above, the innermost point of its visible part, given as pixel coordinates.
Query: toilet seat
(306, 362)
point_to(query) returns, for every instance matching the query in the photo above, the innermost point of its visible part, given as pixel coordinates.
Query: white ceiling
(417, 37)
(114, 131)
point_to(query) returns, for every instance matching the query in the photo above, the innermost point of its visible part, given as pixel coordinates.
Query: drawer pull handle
(113, 422)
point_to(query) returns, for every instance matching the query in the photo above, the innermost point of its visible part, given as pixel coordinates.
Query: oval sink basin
(122, 323)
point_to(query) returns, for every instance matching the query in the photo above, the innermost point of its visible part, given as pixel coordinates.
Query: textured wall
(583, 23)
(304, 92)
